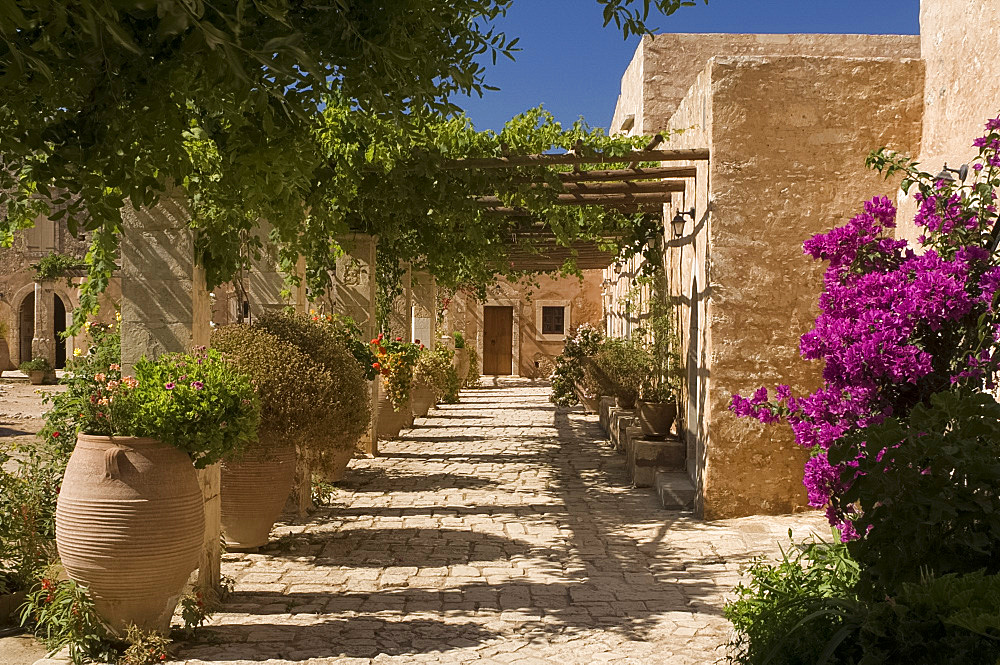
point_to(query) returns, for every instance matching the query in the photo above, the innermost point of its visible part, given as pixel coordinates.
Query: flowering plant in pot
(298, 403)
(618, 368)
(130, 515)
(435, 369)
(38, 369)
(395, 362)
(348, 333)
(570, 380)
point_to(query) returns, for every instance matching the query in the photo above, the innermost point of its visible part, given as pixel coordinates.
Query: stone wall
(788, 137)
(961, 52)
(665, 66)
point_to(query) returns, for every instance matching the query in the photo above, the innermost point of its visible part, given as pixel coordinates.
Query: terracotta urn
(36, 377)
(422, 400)
(130, 522)
(390, 421)
(4, 355)
(335, 464)
(655, 418)
(462, 364)
(589, 403)
(254, 491)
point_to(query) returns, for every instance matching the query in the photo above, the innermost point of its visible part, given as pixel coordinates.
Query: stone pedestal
(166, 308)
(401, 316)
(620, 420)
(645, 457)
(424, 307)
(604, 406)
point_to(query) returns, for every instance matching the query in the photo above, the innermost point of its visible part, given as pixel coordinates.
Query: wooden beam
(627, 187)
(679, 154)
(591, 199)
(617, 175)
(645, 208)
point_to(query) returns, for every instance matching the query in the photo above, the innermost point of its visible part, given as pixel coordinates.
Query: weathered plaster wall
(960, 45)
(788, 137)
(666, 66)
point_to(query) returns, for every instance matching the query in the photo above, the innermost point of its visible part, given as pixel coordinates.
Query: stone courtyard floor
(498, 530)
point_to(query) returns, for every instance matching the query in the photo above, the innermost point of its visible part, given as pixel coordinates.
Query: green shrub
(326, 344)
(35, 365)
(792, 612)
(471, 378)
(297, 397)
(29, 487)
(948, 620)
(436, 370)
(619, 368)
(459, 339)
(928, 489)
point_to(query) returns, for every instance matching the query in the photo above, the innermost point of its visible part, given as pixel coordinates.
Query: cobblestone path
(498, 530)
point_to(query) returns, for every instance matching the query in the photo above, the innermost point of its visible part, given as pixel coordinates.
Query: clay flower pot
(655, 418)
(130, 522)
(335, 464)
(254, 491)
(422, 400)
(390, 421)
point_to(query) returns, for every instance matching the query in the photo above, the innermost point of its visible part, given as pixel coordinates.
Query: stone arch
(23, 306)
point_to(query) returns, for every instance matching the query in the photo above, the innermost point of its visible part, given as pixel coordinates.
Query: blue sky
(573, 66)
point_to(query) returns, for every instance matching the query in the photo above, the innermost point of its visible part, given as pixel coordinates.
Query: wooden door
(498, 340)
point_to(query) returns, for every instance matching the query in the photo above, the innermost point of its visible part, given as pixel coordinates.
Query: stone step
(675, 489)
(604, 406)
(621, 420)
(645, 456)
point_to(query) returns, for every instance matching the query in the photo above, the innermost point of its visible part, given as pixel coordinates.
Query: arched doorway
(25, 328)
(59, 314)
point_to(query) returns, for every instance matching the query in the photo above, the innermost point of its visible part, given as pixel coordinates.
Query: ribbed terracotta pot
(462, 363)
(389, 420)
(335, 464)
(130, 522)
(254, 491)
(655, 418)
(422, 400)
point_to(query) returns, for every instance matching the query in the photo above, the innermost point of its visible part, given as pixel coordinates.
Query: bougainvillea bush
(897, 322)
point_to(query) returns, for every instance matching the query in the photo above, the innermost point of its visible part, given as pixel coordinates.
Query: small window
(553, 320)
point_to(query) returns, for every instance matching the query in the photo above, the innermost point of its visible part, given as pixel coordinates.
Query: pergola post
(166, 308)
(401, 316)
(43, 342)
(424, 298)
(354, 296)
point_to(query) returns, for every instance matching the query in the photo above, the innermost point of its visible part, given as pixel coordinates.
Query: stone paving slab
(500, 530)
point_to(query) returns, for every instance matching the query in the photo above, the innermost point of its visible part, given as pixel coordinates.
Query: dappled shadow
(373, 479)
(379, 547)
(351, 637)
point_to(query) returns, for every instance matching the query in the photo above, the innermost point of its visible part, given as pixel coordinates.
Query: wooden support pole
(613, 175)
(590, 199)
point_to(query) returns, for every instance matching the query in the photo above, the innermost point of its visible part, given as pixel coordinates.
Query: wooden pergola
(632, 190)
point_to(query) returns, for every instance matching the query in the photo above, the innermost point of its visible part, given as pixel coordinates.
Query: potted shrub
(395, 360)
(657, 406)
(619, 368)
(39, 371)
(571, 384)
(436, 374)
(298, 402)
(331, 343)
(130, 517)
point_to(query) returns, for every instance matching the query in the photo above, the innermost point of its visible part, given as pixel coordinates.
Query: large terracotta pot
(390, 422)
(335, 464)
(590, 404)
(655, 418)
(130, 522)
(422, 400)
(462, 364)
(254, 491)
(4, 356)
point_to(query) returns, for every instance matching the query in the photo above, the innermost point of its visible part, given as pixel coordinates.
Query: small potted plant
(435, 372)
(39, 371)
(619, 367)
(395, 360)
(130, 516)
(298, 401)
(657, 406)
(571, 383)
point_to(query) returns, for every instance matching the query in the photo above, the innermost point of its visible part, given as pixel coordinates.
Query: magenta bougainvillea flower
(898, 322)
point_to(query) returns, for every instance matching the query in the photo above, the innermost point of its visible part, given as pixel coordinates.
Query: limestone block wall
(960, 46)
(665, 66)
(788, 136)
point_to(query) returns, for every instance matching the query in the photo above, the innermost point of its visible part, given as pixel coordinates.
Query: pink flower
(169, 385)
(197, 385)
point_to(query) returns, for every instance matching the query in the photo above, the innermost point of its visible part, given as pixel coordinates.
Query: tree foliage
(317, 116)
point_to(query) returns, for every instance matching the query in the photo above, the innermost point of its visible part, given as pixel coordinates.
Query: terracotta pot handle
(111, 457)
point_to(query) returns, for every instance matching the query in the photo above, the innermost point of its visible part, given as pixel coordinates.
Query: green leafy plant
(326, 345)
(63, 615)
(434, 368)
(471, 378)
(143, 648)
(795, 611)
(36, 364)
(459, 339)
(298, 398)
(194, 612)
(52, 266)
(349, 334)
(582, 343)
(619, 368)
(29, 485)
(661, 383)
(927, 491)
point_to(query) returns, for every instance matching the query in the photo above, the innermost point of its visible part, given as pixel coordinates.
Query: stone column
(43, 344)
(424, 316)
(354, 296)
(166, 308)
